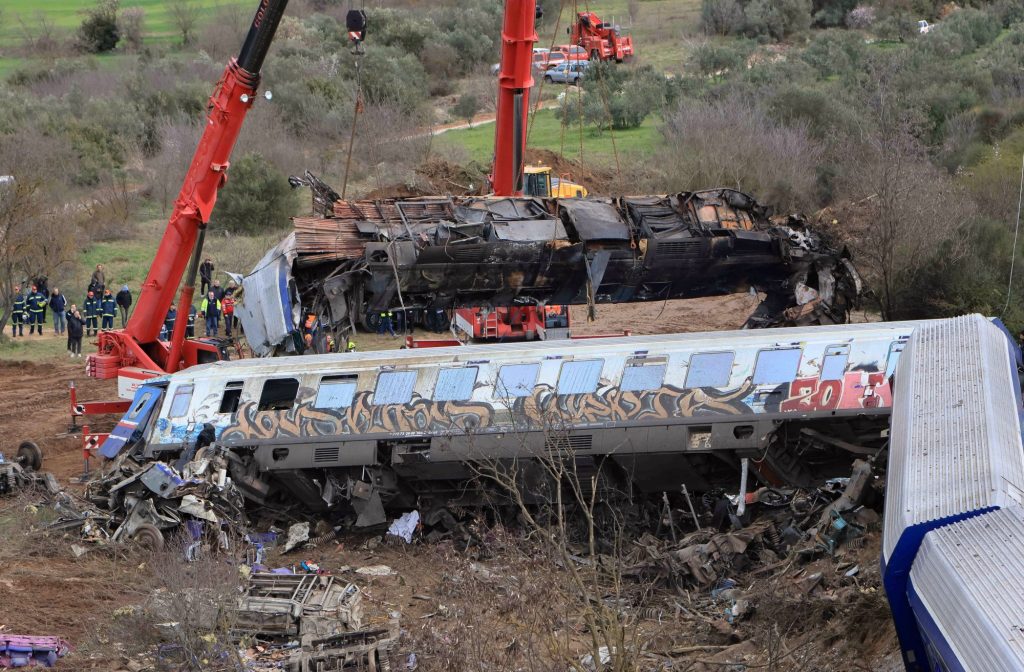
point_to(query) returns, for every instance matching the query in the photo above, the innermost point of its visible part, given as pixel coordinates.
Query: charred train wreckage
(353, 435)
(354, 259)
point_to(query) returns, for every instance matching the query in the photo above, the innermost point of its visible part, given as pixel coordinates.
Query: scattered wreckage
(24, 470)
(354, 259)
(31, 651)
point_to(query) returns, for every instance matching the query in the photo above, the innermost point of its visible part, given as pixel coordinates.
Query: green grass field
(68, 14)
(546, 133)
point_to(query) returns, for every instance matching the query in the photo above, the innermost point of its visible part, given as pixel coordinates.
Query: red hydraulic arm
(518, 36)
(138, 344)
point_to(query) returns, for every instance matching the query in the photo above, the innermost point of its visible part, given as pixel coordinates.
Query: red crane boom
(518, 35)
(138, 345)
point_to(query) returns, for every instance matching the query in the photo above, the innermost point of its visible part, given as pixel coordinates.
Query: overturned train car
(424, 256)
(368, 431)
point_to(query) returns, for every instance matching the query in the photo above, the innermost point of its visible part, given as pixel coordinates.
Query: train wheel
(30, 456)
(149, 537)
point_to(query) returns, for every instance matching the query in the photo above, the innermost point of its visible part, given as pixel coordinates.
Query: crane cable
(357, 36)
(607, 108)
(540, 87)
(1016, 231)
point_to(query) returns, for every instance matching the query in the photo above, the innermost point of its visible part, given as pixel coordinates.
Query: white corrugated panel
(970, 576)
(267, 312)
(955, 442)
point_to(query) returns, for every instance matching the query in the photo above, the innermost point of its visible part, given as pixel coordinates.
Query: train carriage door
(132, 426)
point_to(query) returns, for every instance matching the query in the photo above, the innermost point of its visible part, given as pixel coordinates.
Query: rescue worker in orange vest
(227, 307)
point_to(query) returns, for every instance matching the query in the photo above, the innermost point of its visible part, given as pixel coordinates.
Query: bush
(779, 19)
(131, 23)
(835, 52)
(466, 107)
(712, 59)
(257, 197)
(832, 13)
(722, 17)
(99, 31)
(861, 17)
(615, 97)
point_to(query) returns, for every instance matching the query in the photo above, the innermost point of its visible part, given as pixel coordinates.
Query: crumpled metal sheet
(270, 310)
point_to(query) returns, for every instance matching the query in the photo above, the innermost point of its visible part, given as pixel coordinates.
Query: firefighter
(227, 307)
(172, 315)
(108, 309)
(36, 306)
(190, 326)
(386, 324)
(92, 314)
(210, 308)
(18, 312)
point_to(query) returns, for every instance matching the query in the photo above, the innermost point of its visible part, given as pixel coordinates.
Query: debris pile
(23, 470)
(31, 651)
(144, 501)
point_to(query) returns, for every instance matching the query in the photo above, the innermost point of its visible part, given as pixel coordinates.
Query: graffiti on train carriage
(536, 411)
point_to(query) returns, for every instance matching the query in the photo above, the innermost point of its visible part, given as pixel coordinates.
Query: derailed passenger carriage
(421, 256)
(649, 413)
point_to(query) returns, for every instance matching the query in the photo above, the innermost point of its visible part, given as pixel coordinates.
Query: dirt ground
(459, 610)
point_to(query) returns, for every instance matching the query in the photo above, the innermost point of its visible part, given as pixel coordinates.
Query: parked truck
(602, 41)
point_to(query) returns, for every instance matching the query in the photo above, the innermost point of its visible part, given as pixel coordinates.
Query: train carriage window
(516, 380)
(833, 364)
(580, 377)
(455, 384)
(278, 394)
(182, 398)
(710, 369)
(394, 387)
(894, 357)
(336, 391)
(776, 366)
(642, 378)
(232, 394)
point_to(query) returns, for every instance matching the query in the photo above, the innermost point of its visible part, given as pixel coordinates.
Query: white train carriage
(954, 525)
(656, 411)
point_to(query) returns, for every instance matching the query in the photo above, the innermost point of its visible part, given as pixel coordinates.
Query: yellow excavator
(539, 182)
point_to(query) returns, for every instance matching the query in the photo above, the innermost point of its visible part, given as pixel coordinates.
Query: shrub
(615, 97)
(861, 17)
(99, 31)
(131, 23)
(711, 58)
(835, 52)
(779, 19)
(722, 17)
(256, 198)
(466, 107)
(831, 13)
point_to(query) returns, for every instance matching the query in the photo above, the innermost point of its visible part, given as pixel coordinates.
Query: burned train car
(421, 256)
(396, 428)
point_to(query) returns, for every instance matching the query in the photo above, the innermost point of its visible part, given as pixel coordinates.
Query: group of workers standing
(98, 311)
(217, 305)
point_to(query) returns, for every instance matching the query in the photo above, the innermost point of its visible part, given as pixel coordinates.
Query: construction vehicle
(602, 41)
(527, 322)
(540, 183)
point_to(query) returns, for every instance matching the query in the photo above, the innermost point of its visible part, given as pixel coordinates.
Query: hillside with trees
(906, 144)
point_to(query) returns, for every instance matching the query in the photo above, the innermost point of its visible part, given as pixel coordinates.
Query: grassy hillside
(546, 133)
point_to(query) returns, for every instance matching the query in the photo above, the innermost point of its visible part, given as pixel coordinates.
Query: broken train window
(394, 387)
(232, 395)
(278, 394)
(516, 380)
(182, 398)
(455, 384)
(710, 369)
(336, 391)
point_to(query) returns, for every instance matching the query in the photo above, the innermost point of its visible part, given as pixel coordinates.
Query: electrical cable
(1016, 231)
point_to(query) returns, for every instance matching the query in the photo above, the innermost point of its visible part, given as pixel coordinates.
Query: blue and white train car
(649, 412)
(953, 545)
